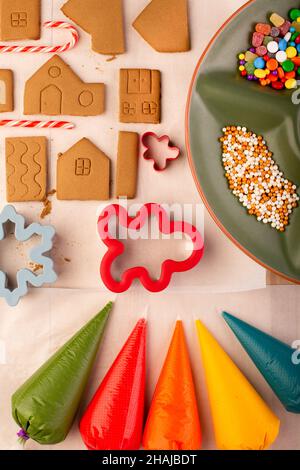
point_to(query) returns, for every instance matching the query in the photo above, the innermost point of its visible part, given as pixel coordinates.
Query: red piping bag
(114, 417)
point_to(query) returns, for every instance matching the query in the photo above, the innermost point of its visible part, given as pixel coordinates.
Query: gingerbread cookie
(56, 90)
(164, 24)
(26, 168)
(6, 91)
(127, 164)
(140, 96)
(103, 20)
(19, 19)
(83, 173)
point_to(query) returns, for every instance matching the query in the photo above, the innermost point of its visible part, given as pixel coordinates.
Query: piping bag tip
(145, 314)
(22, 437)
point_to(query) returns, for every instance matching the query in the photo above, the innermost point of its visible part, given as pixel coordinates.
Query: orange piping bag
(173, 420)
(114, 418)
(242, 420)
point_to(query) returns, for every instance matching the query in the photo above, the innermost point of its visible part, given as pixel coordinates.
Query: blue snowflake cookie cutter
(26, 276)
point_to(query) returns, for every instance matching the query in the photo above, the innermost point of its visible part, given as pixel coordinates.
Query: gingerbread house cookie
(102, 19)
(140, 91)
(83, 173)
(6, 91)
(164, 24)
(19, 19)
(56, 90)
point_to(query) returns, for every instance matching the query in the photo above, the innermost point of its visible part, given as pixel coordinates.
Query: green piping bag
(46, 404)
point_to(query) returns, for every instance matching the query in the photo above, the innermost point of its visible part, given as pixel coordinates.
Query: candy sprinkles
(255, 179)
(274, 56)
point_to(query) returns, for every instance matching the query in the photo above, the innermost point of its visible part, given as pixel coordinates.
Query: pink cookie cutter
(116, 247)
(148, 153)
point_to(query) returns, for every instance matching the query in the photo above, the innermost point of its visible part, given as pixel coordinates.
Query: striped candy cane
(37, 124)
(46, 49)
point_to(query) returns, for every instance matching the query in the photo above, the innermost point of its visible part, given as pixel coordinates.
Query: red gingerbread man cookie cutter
(116, 248)
(172, 152)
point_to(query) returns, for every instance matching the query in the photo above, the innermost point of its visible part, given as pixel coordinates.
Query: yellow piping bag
(242, 420)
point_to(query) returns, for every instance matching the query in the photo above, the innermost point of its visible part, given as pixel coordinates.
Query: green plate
(219, 97)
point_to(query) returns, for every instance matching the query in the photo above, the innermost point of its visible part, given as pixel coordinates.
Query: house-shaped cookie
(83, 173)
(140, 96)
(102, 19)
(56, 90)
(164, 24)
(6, 91)
(19, 19)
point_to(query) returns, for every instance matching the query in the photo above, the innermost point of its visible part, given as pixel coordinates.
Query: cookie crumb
(47, 204)
(35, 267)
(110, 59)
(67, 260)
(47, 209)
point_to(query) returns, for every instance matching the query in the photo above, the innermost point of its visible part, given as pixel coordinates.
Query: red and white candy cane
(37, 124)
(46, 49)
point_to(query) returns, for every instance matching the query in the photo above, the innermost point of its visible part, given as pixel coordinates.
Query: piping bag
(173, 420)
(274, 360)
(46, 404)
(242, 420)
(114, 418)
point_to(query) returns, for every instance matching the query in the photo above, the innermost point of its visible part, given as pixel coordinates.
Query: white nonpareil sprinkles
(255, 179)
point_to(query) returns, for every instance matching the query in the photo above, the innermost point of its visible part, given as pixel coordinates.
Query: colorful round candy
(259, 63)
(282, 45)
(250, 68)
(289, 75)
(278, 85)
(288, 36)
(281, 56)
(294, 14)
(275, 32)
(273, 47)
(272, 64)
(291, 83)
(260, 73)
(288, 66)
(291, 52)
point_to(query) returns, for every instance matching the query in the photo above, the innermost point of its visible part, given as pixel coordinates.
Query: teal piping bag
(274, 359)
